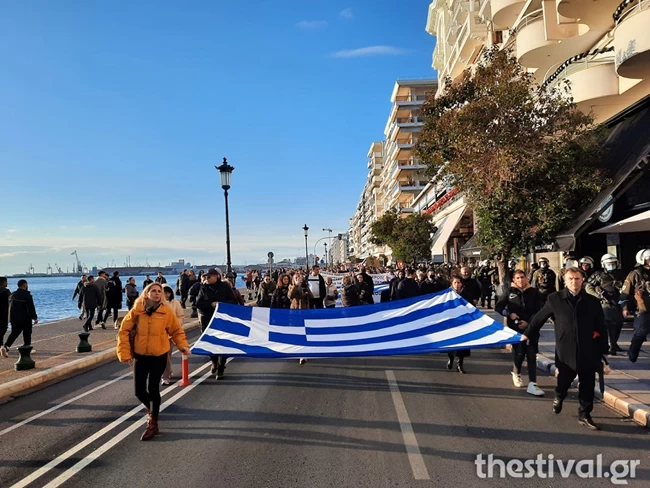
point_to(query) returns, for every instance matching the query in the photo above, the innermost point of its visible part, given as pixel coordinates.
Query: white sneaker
(533, 390)
(165, 381)
(302, 361)
(4, 352)
(516, 380)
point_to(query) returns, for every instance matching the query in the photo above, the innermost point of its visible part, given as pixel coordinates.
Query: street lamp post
(225, 171)
(326, 259)
(330, 240)
(306, 229)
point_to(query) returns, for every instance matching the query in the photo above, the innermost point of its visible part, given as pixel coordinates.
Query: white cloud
(311, 24)
(12, 231)
(347, 14)
(370, 51)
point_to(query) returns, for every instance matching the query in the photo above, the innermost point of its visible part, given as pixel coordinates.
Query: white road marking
(66, 475)
(66, 455)
(67, 402)
(410, 442)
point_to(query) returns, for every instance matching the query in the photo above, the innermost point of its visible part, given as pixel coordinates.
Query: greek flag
(438, 322)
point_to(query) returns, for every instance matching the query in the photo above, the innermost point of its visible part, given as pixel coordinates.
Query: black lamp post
(225, 171)
(326, 257)
(306, 229)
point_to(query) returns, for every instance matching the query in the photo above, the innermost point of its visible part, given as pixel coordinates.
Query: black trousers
(521, 351)
(641, 330)
(183, 297)
(316, 303)
(147, 372)
(107, 312)
(90, 313)
(16, 329)
(486, 295)
(587, 379)
(218, 361)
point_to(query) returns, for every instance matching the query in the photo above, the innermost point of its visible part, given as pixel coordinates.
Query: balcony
(402, 166)
(410, 99)
(590, 80)
(597, 14)
(632, 39)
(410, 121)
(505, 12)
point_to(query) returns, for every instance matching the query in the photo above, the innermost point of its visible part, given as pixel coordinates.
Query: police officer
(606, 284)
(636, 295)
(544, 279)
(586, 266)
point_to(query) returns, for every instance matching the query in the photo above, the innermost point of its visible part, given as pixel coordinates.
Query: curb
(612, 397)
(48, 376)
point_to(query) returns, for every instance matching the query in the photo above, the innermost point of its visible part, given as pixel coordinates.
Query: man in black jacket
(213, 291)
(408, 287)
(368, 280)
(77, 292)
(580, 341)
(183, 284)
(23, 314)
(4, 314)
(471, 287)
(519, 305)
(92, 299)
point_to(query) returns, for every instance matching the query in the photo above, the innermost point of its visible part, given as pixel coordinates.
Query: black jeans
(316, 303)
(147, 372)
(219, 362)
(587, 379)
(90, 313)
(183, 298)
(521, 350)
(641, 330)
(16, 329)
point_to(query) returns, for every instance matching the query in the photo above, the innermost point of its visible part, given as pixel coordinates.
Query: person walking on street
(461, 354)
(114, 297)
(183, 285)
(132, 294)
(301, 296)
(160, 279)
(519, 305)
(22, 316)
(266, 292)
(281, 294)
(4, 314)
(147, 281)
(239, 300)
(368, 280)
(635, 295)
(365, 295)
(471, 287)
(91, 298)
(606, 285)
(153, 322)
(580, 341)
(180, 315)
(408, 287)
(212, 292)
(317, 287)
(77, 293)
(193, 293)
(102, 283)
(332, 293)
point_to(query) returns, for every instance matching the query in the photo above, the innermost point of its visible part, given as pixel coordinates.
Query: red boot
(152, 428)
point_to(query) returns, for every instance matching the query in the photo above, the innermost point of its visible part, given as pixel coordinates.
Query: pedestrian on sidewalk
(519, 305)
(193, 293)
(4, 314)
(22, 315)
(77, 293)
(160, 279)
(91, 298)
(467, 294)
(147, 281)
(238, 298)
(154, 322)
(113, 297)
(131, 291)
(180, 315)
(212, 292)
(580, 341)
(183, 284)
(635, 295)
(102, 283)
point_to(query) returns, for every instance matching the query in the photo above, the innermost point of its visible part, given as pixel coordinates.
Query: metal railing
(407, 140)
(562, 70)
(527, 20)
(411, 98)
(626, 8)
(409, 120)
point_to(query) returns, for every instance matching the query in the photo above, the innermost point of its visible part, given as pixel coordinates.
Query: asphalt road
(359, 422)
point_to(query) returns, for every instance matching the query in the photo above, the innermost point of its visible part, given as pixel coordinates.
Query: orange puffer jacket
(152, 333)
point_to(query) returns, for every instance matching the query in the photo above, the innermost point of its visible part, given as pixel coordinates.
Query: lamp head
(225, 171)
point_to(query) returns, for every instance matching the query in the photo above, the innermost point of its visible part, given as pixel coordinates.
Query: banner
(439, 322)
(337, 278)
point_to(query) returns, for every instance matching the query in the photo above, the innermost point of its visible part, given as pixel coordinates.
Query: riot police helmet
(586, 260)
(609, 262)
(643, 257)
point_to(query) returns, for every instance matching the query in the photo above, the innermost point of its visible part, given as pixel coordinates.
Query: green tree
(409, 238)
(526, 160)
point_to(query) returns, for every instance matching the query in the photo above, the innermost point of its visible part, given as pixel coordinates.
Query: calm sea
(53, 296)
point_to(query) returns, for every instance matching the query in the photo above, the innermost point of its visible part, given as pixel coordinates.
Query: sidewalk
(627, 387)
(54, 352)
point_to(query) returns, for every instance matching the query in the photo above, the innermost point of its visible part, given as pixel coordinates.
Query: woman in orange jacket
(154, 323)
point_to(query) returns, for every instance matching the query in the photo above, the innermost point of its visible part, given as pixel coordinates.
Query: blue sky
(114, 113)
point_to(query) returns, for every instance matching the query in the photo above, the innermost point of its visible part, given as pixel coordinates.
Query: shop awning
(445, 227)
(471, 248)
(627, 150)
(636, 223)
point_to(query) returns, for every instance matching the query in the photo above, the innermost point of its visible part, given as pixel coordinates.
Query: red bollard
(185, 367)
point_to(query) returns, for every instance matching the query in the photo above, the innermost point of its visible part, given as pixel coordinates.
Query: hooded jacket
(153, 331)
(22, 307)
(90, 296)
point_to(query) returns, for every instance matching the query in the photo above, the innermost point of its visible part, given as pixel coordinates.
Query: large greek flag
(438, 322)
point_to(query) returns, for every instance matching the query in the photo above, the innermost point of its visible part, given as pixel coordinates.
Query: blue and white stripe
(438, 322)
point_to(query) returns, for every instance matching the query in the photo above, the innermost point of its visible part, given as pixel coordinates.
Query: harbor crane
(79, 268)
(58, 268)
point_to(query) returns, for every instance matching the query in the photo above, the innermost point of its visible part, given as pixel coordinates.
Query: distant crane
(58, 268)
(49, 269)
(79, 267)
(31, 269)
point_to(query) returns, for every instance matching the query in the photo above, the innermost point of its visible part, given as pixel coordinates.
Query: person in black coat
(280, 298)
(77, 293)
(212, 292)
(183, 285)
(408, 287)
(22, 315)
(365, 292)
(92, 299)
(4, 313)
(580, 341)
(349, 292)
(368, 280)
(114, 291)
(519, 305)
(394, 283)
(471, 287)
(461, 354)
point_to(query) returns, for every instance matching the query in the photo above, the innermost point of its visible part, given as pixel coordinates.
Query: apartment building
(340, 251)
(602, 48)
